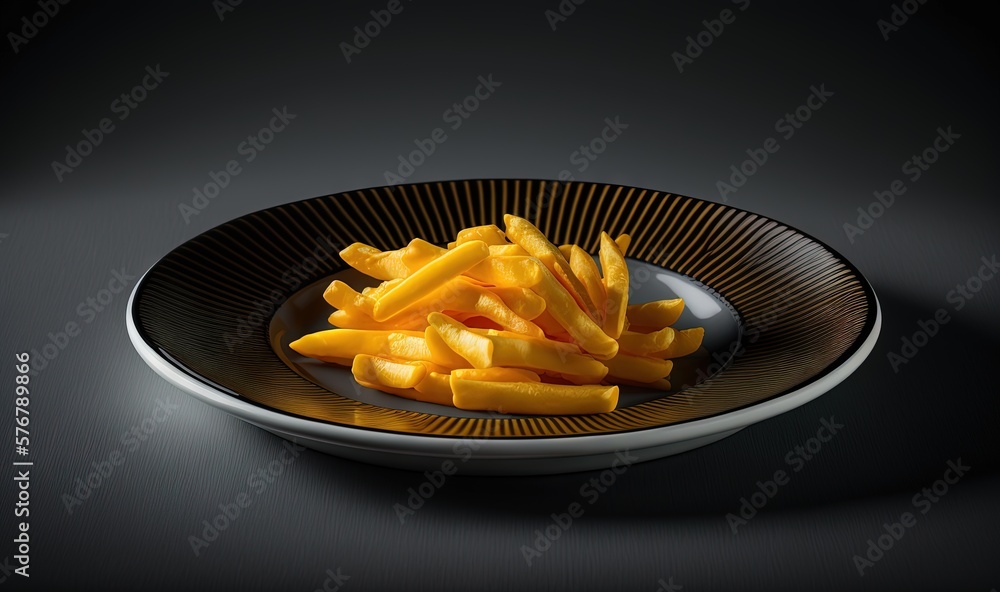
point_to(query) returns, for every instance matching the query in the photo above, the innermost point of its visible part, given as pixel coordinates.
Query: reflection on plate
(786, 319)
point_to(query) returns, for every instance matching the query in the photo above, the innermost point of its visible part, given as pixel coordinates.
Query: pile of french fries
(500, 320)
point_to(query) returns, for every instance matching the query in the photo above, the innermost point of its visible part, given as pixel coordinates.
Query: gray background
(666, 519)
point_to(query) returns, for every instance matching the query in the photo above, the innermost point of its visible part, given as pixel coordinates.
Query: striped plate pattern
(206, 305)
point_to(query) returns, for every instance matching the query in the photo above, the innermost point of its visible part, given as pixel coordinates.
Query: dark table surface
(64, 234)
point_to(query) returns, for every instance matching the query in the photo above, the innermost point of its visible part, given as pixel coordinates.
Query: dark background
(119, 210)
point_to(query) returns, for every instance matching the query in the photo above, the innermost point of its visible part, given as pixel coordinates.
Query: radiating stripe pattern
(207, 304)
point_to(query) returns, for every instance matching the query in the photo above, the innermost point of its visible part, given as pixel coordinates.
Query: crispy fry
(615, 284)
(342, 296)
(643, 344)
(429, 277)
(623, 241)
(384, 265)
(488, 233)
(497, 374)
(533, 398)
(525, 233)
(507, 250)
(586, 271)
(386, 372)
(575, 321)
(639, 369)
(475, 349)
(686, 342)
(543, 354)
(507, 272)
(434, 388)
(441, 353)
(355, 320)
(419, 253)
(525, 303)
(659, 313)
(346, 343)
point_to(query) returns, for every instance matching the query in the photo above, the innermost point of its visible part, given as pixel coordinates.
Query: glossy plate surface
(786, 319)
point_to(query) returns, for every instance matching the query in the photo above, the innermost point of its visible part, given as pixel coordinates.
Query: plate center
(306, 312)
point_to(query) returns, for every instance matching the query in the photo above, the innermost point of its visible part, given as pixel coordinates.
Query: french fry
(458, 296)
(434, 388)
(575, 321)
(355, 320)
(507, 250)
(342, 296)
(441, 353)
(488, 233)
(639, 369)
(533, 398)
(497, 374)
(384, 265)
(507, 272)
(346, 343)
(525, 303)
(419, 253)
(643, 344)
(525, 233)
(543, 354)
(623, 241)
(475, 349)
(429, 277)
(659, 313)
(586, 271)
(686, 342)
(616, 286)
(387, 372)
(566, 250)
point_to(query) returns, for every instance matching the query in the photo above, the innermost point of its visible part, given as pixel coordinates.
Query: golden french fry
(560, 345)
(475, 349)
(659, 313)
(342, 296)
(623, 241)
(643, 344)
(507, 272)
(387, 372)
(533, 398)
(384, 265)
(441, 353)
(686, 342)
(434, 388)
(419, 253)
(525, 233)
(525, 303)
(615, 285)
(497, 374)
(377, 291)
(507, 250)
(544, 354)
(575, 321)
(346, 343)
(566, 251)
(354, 320)
(459, 297)
(586, 271)
(638, 369)
(429, 278)
(489, 234)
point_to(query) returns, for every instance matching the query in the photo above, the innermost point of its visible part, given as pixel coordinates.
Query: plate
(786, 320)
